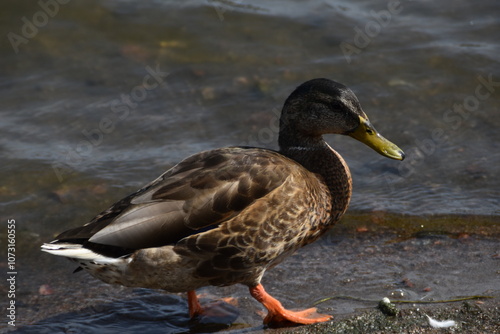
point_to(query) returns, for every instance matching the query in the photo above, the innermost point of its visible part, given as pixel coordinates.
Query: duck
(226, 216)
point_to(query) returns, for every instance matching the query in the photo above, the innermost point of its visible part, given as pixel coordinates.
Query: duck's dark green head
(322, 106)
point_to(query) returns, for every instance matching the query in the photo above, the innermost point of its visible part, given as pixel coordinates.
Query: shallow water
(105, 95)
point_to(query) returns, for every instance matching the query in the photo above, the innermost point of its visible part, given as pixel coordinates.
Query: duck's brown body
(225, 216)
(249, 199)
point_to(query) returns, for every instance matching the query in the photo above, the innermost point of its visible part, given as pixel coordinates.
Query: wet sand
(473, 318)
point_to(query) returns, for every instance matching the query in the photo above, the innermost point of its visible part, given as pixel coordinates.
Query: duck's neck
(318, 157)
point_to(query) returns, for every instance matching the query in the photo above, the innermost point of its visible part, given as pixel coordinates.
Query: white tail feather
(78, 252)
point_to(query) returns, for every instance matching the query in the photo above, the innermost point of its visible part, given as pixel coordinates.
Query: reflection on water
(100, 97)
(148, 313)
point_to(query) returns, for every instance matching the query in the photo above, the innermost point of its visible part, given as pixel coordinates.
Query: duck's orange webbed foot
(279, 316)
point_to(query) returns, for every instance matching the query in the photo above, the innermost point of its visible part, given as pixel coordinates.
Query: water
(100, 97)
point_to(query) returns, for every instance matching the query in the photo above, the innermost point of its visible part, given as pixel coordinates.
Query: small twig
(454, 300)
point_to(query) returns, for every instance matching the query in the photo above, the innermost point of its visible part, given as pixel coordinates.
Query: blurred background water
(100, 97)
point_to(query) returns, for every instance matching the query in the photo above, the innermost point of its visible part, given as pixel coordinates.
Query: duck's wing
(194, 196)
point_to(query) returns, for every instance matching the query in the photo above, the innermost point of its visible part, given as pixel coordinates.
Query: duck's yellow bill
(367, 134)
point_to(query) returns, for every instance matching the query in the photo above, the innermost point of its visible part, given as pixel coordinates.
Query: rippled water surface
(100, 97)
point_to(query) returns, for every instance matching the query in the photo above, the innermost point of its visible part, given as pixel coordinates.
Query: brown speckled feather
(197, 194)
(234, 212)
(262, 234)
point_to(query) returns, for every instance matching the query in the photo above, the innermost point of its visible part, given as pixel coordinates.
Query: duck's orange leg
(214, 311)
(279, 316)
(195, 308)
